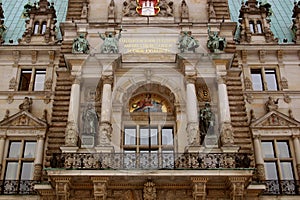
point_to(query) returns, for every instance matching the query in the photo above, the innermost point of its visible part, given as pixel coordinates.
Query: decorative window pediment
(275, 119)
(23, 120)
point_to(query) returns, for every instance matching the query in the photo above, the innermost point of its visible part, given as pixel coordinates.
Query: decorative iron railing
(286, 187)
(170, 161)
(18, 187)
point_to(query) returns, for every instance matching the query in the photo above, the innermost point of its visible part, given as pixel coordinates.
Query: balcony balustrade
(284, 187)
(20, 187)
(145, 161)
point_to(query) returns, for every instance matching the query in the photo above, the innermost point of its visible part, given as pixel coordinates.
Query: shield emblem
(147, 7)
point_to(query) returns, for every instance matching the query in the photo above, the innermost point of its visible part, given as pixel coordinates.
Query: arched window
(251, 26)
(36, 28)
(259, 27)
(44, 26)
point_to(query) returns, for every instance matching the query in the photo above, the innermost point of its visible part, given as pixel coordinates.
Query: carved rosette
(149, 191)
(12, 84)
(105, 134)
(71, 137)
(227, 138)
(193, 133)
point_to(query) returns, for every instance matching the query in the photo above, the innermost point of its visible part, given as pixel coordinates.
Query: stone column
(72, 133)
(192, 111)
(104, 138)
(199, 188)
(2, 146)
(297, 151)
(100, 187)
(227, 139)
(39, 158)
(259, 160)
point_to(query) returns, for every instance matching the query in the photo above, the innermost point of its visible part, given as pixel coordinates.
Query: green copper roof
(15, 22)
(281, 20)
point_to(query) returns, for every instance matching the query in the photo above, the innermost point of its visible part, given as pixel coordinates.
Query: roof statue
(187, 42)
(80, 45)
(215, 43)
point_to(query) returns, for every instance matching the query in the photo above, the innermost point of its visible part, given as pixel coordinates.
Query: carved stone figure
(26, 105)
(215, 43)
(111, 10)
(149, 191)
(184, 10)
(187, 42)
(111, 42)
(90, 120)
(129, 8)
(206, 119)
(80, 45)
(271, 104)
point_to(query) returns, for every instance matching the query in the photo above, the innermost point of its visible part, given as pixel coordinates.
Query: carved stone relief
(71, 137)
(149, 192)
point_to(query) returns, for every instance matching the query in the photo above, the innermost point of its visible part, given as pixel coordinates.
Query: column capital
(221, 79)
(107, 79)
(190, 78)
(77, 79)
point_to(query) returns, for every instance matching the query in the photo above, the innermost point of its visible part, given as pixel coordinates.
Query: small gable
(21, 119)
(275, 119)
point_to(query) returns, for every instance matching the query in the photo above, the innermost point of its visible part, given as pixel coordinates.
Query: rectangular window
(20, 160)
(271, 79)
(137, 139)
(39, 80)
(32, 80)
(264, 79)
(25, 79)
(278, 160)
(257, 81)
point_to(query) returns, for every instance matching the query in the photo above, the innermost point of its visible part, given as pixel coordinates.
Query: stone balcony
(150, 161)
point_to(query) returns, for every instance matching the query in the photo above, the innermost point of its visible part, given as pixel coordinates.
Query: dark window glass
(25, 79)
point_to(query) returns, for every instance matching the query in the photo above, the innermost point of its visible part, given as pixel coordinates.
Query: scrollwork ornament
(260, 171)
(105, 133)
(10, 99)
(149, 191)
(13, 84)
(227, 138)
(193, 134)
(287, 98)
(71, 137)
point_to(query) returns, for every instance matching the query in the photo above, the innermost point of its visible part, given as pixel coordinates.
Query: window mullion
(31, 84)
(263, 74)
